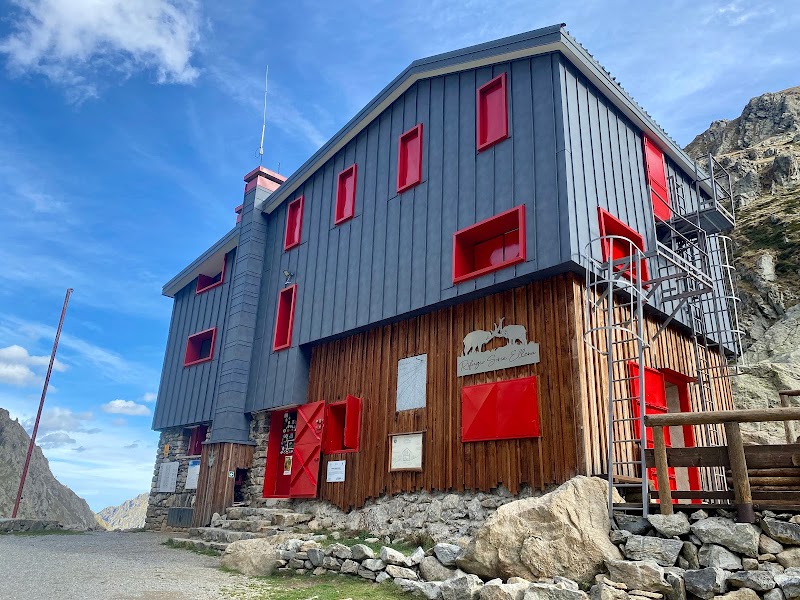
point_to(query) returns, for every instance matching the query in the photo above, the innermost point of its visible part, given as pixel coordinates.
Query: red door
(307, 450)
(655, 403)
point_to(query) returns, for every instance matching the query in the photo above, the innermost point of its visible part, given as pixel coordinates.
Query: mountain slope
(761, 149)
(44, 497)
(128, 515)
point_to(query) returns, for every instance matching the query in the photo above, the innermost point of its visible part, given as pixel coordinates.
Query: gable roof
(540, 41)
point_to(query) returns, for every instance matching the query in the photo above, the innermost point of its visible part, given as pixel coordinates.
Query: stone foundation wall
(253, 488)
(159, 503)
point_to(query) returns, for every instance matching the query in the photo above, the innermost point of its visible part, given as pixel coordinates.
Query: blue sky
(126, 128)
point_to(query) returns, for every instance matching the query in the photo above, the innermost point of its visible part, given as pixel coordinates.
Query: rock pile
(708, 556)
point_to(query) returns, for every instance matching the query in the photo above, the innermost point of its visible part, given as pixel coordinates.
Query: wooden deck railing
(736, 457)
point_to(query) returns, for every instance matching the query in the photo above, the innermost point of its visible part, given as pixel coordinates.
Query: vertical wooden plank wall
(214, 487)
(365, 365)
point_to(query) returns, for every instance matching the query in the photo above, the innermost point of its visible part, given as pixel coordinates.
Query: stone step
(218, 534)
(247, 512)
(200, 544)
(254, 525)
(276, 516)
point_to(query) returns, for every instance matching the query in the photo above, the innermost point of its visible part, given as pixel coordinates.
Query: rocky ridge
(761, 150)
(44, 496)
(128, 515)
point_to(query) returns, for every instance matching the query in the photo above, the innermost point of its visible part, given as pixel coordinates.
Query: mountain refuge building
(486, 278)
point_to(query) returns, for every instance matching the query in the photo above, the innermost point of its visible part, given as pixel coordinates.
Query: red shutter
(307, 450)
(409, 159)
(657, 180)
(492, 125)
(352, 425)
(500, 410)
(284, 320)
(294, 223)
(346, 195)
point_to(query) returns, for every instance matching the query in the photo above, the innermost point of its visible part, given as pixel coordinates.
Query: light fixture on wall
(288, 275)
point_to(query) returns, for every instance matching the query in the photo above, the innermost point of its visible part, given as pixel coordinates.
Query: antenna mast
(264, 121)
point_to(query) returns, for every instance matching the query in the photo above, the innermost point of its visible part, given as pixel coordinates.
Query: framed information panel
(405, 451)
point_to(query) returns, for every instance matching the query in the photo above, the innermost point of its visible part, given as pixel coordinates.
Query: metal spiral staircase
(688, 275)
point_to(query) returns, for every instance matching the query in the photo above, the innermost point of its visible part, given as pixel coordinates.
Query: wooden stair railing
(736, 457)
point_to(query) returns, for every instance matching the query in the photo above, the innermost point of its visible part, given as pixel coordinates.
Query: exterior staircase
(245, 523)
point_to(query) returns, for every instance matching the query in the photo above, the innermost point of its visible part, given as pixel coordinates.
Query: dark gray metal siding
(186, 394)
(395, 256)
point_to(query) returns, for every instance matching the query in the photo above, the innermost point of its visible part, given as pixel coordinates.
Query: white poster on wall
(335, 471)
(192, 474)
(406, 452)
(167, 476)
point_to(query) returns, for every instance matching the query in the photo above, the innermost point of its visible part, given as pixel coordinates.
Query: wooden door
(307, 450)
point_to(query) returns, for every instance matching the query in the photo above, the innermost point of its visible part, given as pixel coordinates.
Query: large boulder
(256, 558)
(781, 531)
(562, 533)
(639, 575)
(738, 537)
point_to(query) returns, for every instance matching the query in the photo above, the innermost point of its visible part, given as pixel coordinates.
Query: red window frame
(657, 180)
(209, 282)
(194, 346)
(284, 318)
(500, 410)
(611, 225)
(492, 112)
(492, 244)
(346, 195)
(409, 156)
(196, 438)
(343, 426)
(294, 223)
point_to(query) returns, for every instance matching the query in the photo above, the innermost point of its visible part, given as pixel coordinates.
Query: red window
(343, 426)
(294, 223)
(657, 180)
(492, 125)
(621, 245)
(409, 159)
(346, 195)
(207, 282)
(196, 438)
(284, 320)
(497, 242)
(500, 410)
(200, 347)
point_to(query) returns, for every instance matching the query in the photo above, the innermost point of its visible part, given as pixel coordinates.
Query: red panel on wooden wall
(346, 195)
(294, 223)
(284, 320)
(196, 439)
(409, 159)
(492, 244)
(343, 426)
(657, 179)
(307, 450)
(616, 249)
(500, 410)
(492, 121)
(352, 426)
(200, 347)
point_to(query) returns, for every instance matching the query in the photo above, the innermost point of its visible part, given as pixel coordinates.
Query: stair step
(200, 544)
(254, 525)
(219, 534)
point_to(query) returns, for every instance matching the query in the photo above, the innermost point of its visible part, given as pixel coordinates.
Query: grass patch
(44, 532)
(323, 587)
(170, 543)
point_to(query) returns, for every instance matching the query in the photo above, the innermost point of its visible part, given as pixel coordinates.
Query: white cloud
(57, 419)
(149, 397)
(125, 407)
(55, 440)
(70, 41)
(17, 366)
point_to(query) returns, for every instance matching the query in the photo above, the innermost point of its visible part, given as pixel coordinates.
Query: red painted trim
(611, 225)
(474, 231)
(498, 83)
(198, 338)
(200, 290)
(657, 180)
(294, 221)
(351, 402)
(238, 210)
(285, 340)
(403, 161)
(340, 216)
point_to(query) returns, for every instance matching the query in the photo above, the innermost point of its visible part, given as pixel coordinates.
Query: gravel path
(104, 566)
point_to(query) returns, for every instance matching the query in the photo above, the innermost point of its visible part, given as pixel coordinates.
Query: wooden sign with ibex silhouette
(517, 351)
